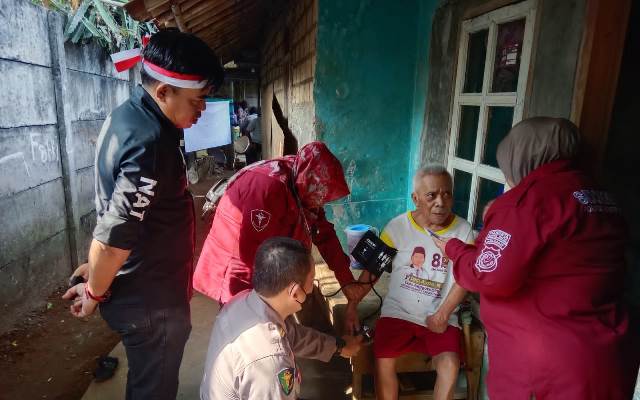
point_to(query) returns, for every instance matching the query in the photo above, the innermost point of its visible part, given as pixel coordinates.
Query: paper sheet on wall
(213, 129)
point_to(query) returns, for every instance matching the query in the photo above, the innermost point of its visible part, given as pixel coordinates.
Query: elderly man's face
(433, 198)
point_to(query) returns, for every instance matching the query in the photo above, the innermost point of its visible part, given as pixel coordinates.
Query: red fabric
(127, 63)
(172, 74)
(319, 177)
(259, 203)
(395, 337)
(551, 292)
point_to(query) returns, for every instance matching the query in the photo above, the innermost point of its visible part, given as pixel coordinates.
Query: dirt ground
(52, 355)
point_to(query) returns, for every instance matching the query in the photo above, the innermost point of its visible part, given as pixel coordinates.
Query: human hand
(82, 271)
(352, 346)
(351, 320)
(441, 243)
(438, 322)
(82, 305)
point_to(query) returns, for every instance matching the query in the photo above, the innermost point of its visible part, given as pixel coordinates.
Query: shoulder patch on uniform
(285, 378)
(260, 219)
(494, 243)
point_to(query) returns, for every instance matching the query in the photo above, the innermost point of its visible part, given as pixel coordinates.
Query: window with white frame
(491, 80)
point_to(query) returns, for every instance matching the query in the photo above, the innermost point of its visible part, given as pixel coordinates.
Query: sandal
(106, 368)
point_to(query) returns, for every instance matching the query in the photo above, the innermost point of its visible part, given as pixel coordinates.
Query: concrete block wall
(54, 100)
(288, 70)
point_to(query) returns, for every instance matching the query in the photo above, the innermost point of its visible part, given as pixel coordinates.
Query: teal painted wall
(426, 11)
(370, 91)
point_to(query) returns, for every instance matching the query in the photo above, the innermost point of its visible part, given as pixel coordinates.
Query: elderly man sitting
(418, 312)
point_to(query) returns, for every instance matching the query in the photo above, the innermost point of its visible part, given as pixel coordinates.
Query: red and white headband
(127, 59)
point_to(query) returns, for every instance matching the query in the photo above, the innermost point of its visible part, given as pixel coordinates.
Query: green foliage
(106, 24)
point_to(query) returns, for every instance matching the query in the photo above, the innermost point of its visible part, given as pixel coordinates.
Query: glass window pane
(461, 192)
(488, 191)
(476, 55)
(508, 53)
(499, 122)
(466, 146)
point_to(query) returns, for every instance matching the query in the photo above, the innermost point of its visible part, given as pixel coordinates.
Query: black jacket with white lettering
(143, 205)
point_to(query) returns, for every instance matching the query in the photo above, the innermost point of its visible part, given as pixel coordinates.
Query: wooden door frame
(597, 73)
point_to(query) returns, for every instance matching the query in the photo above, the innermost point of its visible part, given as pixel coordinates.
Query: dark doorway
(621, 169)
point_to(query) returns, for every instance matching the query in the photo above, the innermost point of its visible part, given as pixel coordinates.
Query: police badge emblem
(494, 243)
(285, 377)
(260, 219)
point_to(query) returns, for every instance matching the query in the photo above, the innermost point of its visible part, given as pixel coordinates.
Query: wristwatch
(340, 343)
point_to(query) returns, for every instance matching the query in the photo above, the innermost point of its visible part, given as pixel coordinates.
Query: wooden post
(597, 75)
(177, 15)
(65, 134)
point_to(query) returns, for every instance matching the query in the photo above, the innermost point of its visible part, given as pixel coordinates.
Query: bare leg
(447, 365)
(386, 379)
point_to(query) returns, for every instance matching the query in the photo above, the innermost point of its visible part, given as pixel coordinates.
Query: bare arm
(453, 299)
(439, 321)
(104, 263)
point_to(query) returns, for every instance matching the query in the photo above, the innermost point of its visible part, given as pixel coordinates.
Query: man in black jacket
(140, 259)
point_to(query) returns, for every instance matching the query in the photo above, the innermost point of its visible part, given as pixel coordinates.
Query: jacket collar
(264, 310)
(142, 97)
(547, 169)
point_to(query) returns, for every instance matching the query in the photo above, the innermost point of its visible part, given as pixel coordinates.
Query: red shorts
(395, 337)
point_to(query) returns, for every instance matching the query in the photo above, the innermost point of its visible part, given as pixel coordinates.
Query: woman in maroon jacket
(279, 197)
(549, 267)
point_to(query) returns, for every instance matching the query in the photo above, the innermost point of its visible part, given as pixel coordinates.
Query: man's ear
(293, 290)
(162, 90)
(414, 198)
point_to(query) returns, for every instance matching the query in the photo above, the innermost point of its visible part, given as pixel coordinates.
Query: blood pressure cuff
(374, 254)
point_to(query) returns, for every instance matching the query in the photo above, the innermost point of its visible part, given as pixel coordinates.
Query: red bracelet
(99, 299)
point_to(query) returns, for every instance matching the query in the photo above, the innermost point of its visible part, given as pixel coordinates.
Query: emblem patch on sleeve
(494, 243)
(285, 378)
(260, 219)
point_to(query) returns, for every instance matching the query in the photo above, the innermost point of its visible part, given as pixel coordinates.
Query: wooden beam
(189, 4)
(205, 6)
(161, 9)
(230, 39)
(230, 34)
(597, 75)
(177, 15)
(138, 10)
(156, 7)
(220, 17)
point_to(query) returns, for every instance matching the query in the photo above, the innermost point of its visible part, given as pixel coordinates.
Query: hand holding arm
(439, 321)
(104, 263)
(352, 346)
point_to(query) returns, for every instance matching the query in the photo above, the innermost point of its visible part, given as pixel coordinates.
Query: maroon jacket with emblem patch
(549, 267)
(259, 205)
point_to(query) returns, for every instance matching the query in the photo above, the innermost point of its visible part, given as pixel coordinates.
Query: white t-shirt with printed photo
(419, 283)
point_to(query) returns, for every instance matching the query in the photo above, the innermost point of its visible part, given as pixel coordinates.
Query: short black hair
(253, 110)
(280, 261)
(184, 53)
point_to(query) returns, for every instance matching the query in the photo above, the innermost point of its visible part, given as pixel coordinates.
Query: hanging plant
(103, 21)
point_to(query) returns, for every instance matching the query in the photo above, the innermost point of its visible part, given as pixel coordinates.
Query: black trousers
(154, 341)
(254, 153)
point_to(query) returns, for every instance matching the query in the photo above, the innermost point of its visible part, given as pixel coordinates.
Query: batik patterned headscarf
(315, 172)
(318, 176)
(534, 142)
